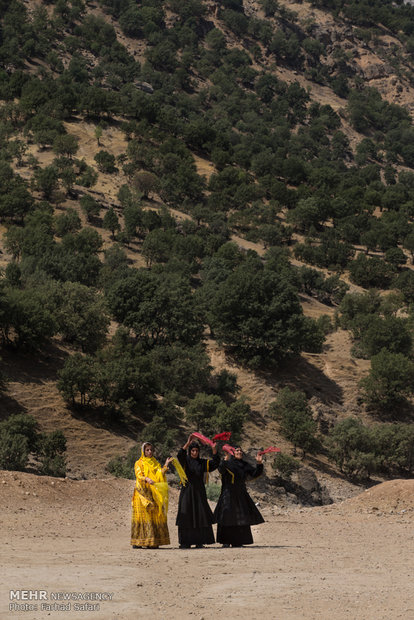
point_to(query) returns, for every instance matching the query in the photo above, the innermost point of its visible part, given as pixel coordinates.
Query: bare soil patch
(346, 561)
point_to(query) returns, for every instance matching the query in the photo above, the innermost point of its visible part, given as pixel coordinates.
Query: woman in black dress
(235, 511)
(195, 518)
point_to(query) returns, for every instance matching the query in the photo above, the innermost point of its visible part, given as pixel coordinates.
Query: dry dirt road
(352, 560)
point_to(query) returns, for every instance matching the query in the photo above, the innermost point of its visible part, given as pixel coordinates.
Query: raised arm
(223, 463)
(215, 461)
(187, 443)
(182, 456)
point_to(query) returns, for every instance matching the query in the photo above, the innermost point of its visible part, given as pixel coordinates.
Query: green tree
(90, 207)
(82, 318)
(297, 425)
(257, 313)
(396, 257)
(111, 222)
(160, 309)
(68, 222)
(210, 414)
(106, 162)
(122, 378)
(181, 368)
(145, 183)
(29, 321)
(19, 437)
(46, 181)
(50, 450)
(391, 333)
(157, 246)
(76, 378)
(98, 134)
(14, 452)
(390, 381)
(309, 212)
(408, 244)
(133, 219)
(65, 144)
(370, 272)
(285, 465)
(351, 448)
(405, 283)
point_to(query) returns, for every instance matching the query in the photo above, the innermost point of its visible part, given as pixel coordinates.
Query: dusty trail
(346, 561)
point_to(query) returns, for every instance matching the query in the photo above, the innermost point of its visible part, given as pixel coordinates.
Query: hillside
(195, 199)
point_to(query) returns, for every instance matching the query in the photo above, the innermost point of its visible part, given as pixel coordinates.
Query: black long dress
(194, 517)
(235, 511)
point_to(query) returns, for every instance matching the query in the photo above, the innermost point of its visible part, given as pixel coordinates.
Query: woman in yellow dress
(150, 502)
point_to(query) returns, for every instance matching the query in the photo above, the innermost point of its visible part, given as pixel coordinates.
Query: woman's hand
(227, 456)
(185, 446)
(168, 461)
(259, 458)
(149, 481)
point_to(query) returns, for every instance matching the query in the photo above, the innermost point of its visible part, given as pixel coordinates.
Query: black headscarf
(239, 467)
(192, 445)
(194, 465)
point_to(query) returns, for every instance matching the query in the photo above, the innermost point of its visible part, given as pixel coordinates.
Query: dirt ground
(344, 561)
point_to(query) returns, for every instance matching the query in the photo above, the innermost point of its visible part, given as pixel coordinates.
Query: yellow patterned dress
(149, 505)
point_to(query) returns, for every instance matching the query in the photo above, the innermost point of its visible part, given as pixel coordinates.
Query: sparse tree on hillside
(76, 378)
(145, 183)
(133, 220)
(111, 222)
(161, 309)
(82, 318)
(351, 448)
(65, 144)
(68, 222)
(157, 246)
(209, 413)
(98, 134)
(90, 207)
(257, 313)
(106, 162)
(68, 177)
(46, 181)
(390, 381)
(296, 422)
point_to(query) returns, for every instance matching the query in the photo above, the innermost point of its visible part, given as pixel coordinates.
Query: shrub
(24, 425)
(14, 451)
(19, 438)
(285, 465)
(123, 466)
(54, 466)
(213, 491)
(360, 451)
